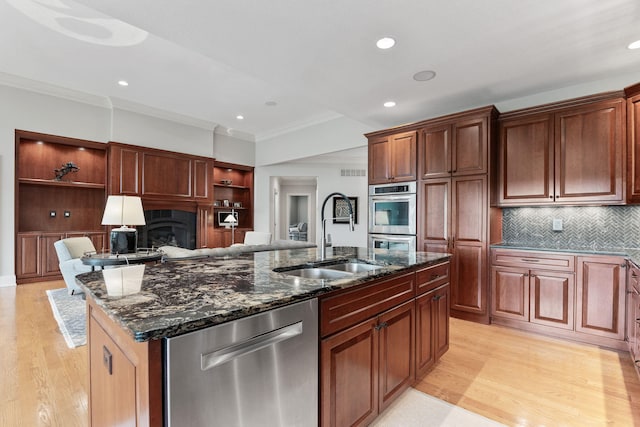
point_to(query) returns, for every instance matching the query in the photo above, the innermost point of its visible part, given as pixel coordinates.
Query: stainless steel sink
(317, 273)
(353, 267)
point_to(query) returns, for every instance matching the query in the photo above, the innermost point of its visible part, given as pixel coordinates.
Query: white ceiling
(212, 60)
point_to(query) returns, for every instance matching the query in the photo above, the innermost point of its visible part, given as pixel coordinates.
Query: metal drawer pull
(437, 297)
(530, 260)
(435, 276)
(218, 357)
(381, 325)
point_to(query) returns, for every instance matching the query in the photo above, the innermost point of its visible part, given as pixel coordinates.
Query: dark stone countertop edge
(139, 335)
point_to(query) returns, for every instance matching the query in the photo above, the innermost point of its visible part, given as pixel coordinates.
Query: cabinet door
(403, 156)
(397, 350)
(600, 296)
(633, 311)
(435, 152)
(49, 256)
(633, 144)
(349, 376)
(435, 215)
(470, 140)
(510, 293)
(28, 259)
(432, 328)
(468, 225)
(124, 167)
(110, 370)
(589, 148)
(552, 298)
(202, 176)
(379, 161)
(525, 163)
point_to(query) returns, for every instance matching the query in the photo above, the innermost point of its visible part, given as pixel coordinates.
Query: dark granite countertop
(633, 254)
(183, 296)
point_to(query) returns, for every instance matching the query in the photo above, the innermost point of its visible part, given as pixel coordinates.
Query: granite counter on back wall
(183, 296)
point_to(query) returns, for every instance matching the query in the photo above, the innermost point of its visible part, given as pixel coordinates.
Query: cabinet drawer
(533, 259)
(432, 277)
(348, 308)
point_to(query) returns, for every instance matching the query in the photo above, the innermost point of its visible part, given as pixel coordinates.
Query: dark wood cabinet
(367, 349)
(142, 171)
(633, 314)
(48, 209)
(569, 153)
(392, 158)
(432, 327)
(453, 218)
(633, 143)
(367, 366)
(600, 298)
(459, 147)
(562, 294)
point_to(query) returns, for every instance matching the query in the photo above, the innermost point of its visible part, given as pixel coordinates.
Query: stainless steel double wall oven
(392, 216)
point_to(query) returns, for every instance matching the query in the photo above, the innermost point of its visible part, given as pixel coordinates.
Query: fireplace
(168, 227)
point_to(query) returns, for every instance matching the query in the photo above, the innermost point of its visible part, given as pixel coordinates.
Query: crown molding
(134, 107)
(298, 126)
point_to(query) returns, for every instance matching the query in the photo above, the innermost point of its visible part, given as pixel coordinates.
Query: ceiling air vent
(353, 172)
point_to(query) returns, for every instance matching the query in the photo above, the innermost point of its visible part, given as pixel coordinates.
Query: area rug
(70, 311)
(417, 409)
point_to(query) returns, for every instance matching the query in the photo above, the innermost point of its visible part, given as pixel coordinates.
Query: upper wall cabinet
(392, 158)
(633, 143)
(566, 153)
(158, 174)
(456, 146)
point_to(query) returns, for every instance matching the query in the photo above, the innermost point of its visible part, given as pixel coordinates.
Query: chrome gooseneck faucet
(323, 244)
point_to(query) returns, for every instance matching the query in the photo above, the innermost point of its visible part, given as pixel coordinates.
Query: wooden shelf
(54, 183)
(226, 208)
(237, 187)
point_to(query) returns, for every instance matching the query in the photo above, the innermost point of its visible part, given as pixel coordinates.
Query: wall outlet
(557, 224)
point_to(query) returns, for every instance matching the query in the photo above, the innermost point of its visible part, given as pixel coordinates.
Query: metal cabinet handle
(435, 276)
(218, 357)
(381, 325)
(529, 260)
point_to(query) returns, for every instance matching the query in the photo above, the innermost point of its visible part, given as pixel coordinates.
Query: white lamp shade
(123, 210)
(231, 219)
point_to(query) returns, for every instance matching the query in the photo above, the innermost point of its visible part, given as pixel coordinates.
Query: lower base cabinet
(633, 314)
(367, 366)
(432, 328)
(566, 295)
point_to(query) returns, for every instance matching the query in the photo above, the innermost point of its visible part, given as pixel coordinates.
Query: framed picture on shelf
(341, 210)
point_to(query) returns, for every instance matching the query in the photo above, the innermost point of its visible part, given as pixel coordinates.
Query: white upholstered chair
(69, 252)
(257, 238)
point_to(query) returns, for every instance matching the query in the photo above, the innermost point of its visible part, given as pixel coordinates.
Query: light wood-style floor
(513, 377)
(523, 379)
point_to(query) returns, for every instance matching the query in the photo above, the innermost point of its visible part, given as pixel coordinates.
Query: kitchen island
(130, 320)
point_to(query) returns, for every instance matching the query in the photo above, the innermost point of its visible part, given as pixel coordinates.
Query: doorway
(293, 213)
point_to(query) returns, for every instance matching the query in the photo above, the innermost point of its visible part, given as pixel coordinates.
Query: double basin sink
(339, 270)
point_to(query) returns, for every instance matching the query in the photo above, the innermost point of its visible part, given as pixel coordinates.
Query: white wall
(82, 116)
(329, 180)
(333, 135)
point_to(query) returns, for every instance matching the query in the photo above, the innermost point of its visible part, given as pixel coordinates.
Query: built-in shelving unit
(48, 209)
(232, 191)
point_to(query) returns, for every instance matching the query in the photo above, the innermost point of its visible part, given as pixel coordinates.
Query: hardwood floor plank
(523, 379)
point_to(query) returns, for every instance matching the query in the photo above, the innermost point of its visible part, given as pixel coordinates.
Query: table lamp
(123, 211)
(232, 220)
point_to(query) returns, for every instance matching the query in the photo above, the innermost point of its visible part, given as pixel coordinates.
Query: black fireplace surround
(168, 227)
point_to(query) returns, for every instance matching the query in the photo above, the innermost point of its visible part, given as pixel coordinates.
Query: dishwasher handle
(218, 357)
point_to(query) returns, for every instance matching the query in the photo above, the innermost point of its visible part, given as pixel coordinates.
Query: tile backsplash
(587, 227)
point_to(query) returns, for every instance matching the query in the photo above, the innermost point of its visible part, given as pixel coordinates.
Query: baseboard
(7, 281)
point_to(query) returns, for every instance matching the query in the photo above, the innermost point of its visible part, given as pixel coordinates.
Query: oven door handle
(407, 197)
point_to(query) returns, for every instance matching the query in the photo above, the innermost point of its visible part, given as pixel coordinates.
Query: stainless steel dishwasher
(260, 370)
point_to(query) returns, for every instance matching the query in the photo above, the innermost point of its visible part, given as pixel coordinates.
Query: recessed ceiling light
(389, 104)
(240, 117)
(423, 76)
(634, 45)
(123, 83)
(271, 103)
(385, 43)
